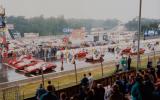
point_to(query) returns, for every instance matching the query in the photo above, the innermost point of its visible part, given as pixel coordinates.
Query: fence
(11, 93)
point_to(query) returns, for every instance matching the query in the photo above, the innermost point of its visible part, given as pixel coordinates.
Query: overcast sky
(123, 10)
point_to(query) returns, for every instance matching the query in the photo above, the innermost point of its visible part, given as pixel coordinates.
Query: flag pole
(139, 32)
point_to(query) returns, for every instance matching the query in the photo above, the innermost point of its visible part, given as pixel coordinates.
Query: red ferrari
(25, 63)
(126, 50)
(81, 54)
(36, 69)
(17, 60)
(135, 52)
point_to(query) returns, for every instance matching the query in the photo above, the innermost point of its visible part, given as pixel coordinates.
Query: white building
(121, 36)
(96, 37)
(31, 35)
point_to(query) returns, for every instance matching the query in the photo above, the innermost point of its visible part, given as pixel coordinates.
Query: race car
(37, 68)
(17, 60)
(25, 63)
(94, 58)
(126, 50)
(135, 52)
(81, 54)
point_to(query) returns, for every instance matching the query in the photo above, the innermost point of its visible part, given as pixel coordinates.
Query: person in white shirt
(90, 78)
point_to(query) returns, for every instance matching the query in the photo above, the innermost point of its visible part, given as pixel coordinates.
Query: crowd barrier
(10, 93)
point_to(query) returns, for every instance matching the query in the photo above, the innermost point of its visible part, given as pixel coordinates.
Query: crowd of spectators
(144, 85)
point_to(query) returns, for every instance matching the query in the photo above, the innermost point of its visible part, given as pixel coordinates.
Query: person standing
(62, 58)
(136, 91)
(158, 68)
(90, 79)
(117, 64)
(123, 63)
(85, 81)
(53, 87)
(40, 91)
(129, 62)
(50, 95)
(149, 64)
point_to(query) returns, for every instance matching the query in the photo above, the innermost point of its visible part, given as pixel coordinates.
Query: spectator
(95, 90)
(40, 91)
(131, 82)
(148, 88)
(85, 81)
(50, 95)
(82, 93)
(63, 96)
(117, 64)
(136, 91)
(90, 95)
(49, 84)
(116, 94)
(90, 80)
(129, 62)
(150, 75)
(120, 84)
(123, 63)
(149, 64)
(158, 68)
(153, 73)
(156, 93)
(101, 92)
(125, 85)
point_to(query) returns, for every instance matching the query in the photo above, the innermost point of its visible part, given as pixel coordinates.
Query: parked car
(81, 54)
(25, 63)
(94, 58)
(14, 61)
(37, 68)
(135, 52)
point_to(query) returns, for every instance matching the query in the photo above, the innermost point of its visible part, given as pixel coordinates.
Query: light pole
(139, 29)
(101, 60)
(154, 56)
(42, 76)
(75, 68)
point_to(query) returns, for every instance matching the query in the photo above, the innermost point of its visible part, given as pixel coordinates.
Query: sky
(123, 10)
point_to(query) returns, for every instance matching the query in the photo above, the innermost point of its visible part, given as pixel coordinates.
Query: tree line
(55, 25)
(147, 24)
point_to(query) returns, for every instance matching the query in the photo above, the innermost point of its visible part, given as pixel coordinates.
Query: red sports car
(36, 69)
(135, 52)
(126, 50)
(94, 58)
(81, 54)
(25, 63)
(17, 60)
